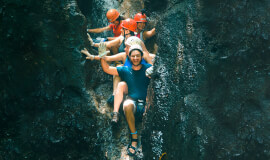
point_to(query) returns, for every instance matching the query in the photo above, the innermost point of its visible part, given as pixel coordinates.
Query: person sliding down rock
(129, 27)
(134, 84)
(123, 56)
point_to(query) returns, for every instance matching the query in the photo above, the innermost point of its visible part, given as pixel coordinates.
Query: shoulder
(122, 68)
(147, 65)
(121, 38)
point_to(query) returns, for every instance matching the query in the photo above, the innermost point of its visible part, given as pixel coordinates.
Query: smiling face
(126, 33)
(140, 26)
(136, 57)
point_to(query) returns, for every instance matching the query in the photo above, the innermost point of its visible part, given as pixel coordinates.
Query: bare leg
(128, 109)
(116, 80)
(122, 89)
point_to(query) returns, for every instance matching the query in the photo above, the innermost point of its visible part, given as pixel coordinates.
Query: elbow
(154, 31)
(106, 70)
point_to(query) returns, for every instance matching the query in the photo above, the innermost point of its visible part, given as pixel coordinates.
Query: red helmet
(112, 15)
(139, 17)
(129, 24)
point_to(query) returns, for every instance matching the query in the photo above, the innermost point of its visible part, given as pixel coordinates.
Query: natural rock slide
(209, 100)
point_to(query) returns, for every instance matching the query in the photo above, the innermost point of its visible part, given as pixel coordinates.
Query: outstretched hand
(90, 39)
(88, 55)
(102, 50)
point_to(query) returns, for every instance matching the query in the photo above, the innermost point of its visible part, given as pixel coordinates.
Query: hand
(149, 71)
(88, 55)
(91, 57)
(90, 39)
(144, 113)
(102, 50)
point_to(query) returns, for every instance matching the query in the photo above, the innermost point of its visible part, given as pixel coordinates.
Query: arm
(149, 34)
(116, 57)
(146, 54)
(108, 69)
(147, 57)
(111, 38)
(110, 44)
(89, 55)
(143, 47)
(115, 42)
(99, 30)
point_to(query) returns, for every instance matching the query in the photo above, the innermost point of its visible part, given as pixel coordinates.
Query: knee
(122, 85)
(128, 107)
(116, 78)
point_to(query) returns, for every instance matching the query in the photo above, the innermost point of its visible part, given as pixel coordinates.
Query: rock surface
(46, 112)
(210, 97)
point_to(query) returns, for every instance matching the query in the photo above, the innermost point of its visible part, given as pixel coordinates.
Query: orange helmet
(112, 15)
(139, 17)
(129, 24)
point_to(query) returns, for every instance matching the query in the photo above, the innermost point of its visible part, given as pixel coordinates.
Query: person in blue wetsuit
(123, 56)
(134, 84)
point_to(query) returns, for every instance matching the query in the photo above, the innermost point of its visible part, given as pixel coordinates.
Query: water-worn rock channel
(210, 98)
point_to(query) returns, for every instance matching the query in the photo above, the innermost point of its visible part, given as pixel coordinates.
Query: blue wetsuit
(136, 80)
(129, 64)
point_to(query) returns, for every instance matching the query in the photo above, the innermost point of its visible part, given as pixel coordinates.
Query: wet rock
(45, 109)
(209, 100)
(209, 95)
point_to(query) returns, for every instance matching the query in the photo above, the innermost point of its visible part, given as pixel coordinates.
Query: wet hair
(134, 50)
(131, 33)
(120, 18)
(143, 11)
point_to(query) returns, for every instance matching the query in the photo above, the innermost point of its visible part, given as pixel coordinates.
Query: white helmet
(136, 47)
(133, 40)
